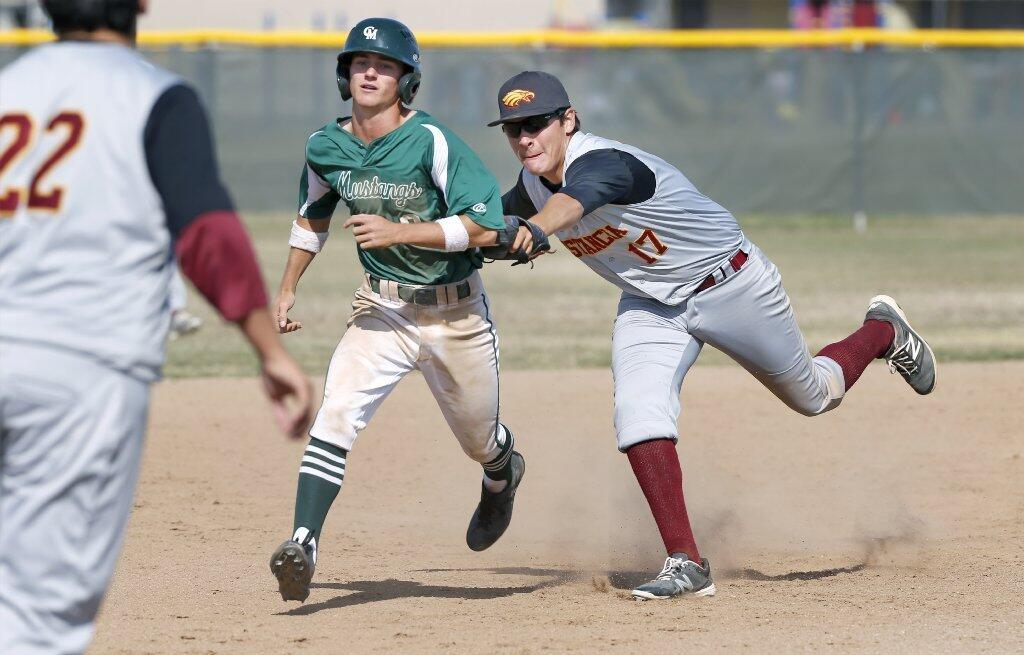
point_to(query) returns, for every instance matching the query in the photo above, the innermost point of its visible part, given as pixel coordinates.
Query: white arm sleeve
(304, 239)
(456, 237)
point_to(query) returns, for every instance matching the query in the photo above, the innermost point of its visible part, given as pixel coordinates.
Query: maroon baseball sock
(656, 467)
(855, 352)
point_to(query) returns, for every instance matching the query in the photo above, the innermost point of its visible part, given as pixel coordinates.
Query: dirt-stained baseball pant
(747, 316)
(71, 434)
(454, 344)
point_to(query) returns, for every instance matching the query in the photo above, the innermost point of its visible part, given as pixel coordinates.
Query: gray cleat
(292, 564)
(680, 575)
(909, 355)
(494, 513)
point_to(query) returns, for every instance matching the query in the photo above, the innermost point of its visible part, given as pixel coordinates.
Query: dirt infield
(892, 524)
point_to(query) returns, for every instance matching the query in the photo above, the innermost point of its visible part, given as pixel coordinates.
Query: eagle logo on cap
(517, 97)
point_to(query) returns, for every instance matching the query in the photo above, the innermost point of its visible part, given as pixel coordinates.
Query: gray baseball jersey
(84, 243)
(104, 158)
(649, 231)
(660, 243)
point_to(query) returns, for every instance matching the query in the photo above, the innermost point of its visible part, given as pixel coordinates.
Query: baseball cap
(530, 93)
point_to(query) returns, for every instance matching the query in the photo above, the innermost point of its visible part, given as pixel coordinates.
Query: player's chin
(376, 98)
(535, 164)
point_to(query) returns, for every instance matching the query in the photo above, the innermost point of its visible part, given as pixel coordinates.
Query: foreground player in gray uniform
(106, 172)
(689, 276)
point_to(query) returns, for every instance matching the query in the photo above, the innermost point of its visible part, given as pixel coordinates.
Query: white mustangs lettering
(374, 188)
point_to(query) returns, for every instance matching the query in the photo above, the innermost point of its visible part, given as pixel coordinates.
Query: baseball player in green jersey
(421, 205)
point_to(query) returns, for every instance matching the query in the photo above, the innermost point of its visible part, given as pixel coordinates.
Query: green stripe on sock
(314, 495)
(500, 467)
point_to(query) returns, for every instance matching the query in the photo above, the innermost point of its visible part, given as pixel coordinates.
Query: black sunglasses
(532, 125)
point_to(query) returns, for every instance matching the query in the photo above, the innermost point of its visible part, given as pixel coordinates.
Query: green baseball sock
(498, 471)
(320, 475)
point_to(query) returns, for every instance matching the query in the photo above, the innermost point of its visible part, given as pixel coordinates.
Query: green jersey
(418, 172)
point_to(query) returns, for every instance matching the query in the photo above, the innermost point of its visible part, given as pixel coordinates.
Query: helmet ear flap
(342, 75)
(408, 85)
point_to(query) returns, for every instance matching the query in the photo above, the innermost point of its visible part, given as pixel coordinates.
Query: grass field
(958, 278)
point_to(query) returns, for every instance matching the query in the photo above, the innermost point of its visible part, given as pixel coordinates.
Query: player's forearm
(307, 238)
(479, 237)
(560, 212)
(423, 235)
(430, 235)
(298, 261)
(258, 329)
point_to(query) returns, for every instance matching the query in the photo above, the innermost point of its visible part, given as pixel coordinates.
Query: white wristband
(304, 239)
(456, 238)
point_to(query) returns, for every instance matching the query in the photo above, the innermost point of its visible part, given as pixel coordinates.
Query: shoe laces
(902, 359)
(673, 565)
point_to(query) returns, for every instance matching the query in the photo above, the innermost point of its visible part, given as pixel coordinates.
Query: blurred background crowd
(769, 127)
(322, 15)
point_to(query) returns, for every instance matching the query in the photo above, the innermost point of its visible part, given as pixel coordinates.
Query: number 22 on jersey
(16, 135)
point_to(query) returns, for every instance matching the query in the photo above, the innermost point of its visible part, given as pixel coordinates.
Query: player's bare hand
(524, 242)
(285, 301)
(291, 394)
(372, 231)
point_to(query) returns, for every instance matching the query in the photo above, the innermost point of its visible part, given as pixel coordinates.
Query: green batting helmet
(385, 37)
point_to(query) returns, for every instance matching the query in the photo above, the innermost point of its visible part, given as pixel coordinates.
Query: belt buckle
(421, 296)
(405, 293)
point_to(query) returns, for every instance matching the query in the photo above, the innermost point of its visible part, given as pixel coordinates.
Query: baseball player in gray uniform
(689, 276)
(107, 171)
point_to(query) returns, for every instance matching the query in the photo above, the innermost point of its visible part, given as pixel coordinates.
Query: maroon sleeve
(215, 252)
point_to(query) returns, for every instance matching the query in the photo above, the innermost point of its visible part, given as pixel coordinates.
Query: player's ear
(569, 121)
(143, 6)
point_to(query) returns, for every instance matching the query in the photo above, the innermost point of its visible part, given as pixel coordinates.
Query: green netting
(779, 130)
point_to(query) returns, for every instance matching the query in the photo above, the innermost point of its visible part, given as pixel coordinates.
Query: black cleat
(292, 564)
(494, 513)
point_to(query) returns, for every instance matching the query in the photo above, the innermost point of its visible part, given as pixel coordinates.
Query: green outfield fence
(923, 122)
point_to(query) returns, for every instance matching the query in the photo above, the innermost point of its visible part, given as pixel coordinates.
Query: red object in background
(865, 14)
